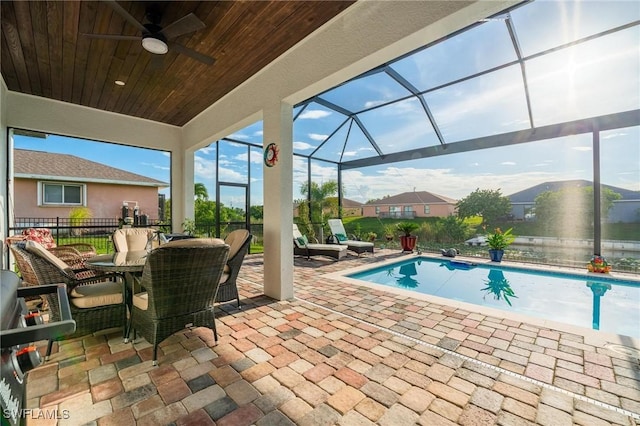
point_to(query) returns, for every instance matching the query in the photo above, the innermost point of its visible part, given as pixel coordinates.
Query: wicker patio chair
(180, 280)
(73, 254)
(97, 303)
(131, 239)
(239, 242)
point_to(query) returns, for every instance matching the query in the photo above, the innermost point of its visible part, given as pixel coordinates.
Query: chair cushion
(332, 247)
(42, 236)
(194, 242)
(39, 250)
(132, 239)
(302, 241)
(341, 237)
(94, 295)
(236, 239)
(141, 301)
(355, 243)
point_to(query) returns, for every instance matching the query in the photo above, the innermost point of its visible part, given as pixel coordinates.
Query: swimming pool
(593, 301)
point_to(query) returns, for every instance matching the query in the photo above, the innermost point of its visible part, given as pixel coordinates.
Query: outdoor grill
(20, 329)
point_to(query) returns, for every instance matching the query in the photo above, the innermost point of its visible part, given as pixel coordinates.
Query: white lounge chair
(337, 229)
(302, 247)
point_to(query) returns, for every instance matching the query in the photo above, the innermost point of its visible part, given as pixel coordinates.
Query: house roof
(529, 195)
(30, 164)
(415, 197)
(351, 204)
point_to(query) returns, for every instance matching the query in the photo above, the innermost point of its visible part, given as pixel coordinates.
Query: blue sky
(597, 77)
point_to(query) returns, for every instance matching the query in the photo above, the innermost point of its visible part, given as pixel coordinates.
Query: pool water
(601, 303)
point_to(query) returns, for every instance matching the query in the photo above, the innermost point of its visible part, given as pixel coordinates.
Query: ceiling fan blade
(122, 12)
(112, 36)
(192, 53)
(184, 25)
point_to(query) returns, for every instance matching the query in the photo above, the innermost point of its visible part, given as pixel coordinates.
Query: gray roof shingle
(41, 165)
(415, 197)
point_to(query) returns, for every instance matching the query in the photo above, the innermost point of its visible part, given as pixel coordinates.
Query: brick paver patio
(340, 354)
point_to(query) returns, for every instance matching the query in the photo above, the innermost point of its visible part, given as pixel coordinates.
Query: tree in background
(570, 209)
(257, 213)
(322, 205)
(78, 217)
(200, 191)
(487, 203)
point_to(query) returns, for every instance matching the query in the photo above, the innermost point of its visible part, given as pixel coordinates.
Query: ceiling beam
(605, 122)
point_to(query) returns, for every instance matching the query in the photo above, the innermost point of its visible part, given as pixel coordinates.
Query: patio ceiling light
(154, 44)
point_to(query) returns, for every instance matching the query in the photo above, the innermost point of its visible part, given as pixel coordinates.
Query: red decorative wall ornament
(271, 155)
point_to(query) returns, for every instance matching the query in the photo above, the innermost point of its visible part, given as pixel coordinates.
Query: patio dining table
(128, 264)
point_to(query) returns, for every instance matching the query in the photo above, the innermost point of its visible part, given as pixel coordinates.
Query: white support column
(182, 192)
(278, 203)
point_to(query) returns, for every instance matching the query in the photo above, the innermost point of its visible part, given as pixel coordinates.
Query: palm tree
(200, 191)
(320, 199)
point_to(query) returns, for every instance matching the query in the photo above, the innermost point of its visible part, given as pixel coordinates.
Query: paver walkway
(340, 354)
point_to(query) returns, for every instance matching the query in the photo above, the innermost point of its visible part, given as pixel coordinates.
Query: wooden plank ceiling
(45, 53)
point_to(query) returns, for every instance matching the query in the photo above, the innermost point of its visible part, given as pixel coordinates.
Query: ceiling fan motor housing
(154, 41)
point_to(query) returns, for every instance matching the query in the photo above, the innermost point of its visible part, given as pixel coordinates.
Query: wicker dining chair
(180, 281)
(97, 302)
(132, 239)
(239, 242)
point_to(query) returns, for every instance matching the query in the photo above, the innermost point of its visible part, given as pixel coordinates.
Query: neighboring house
(48, 185)
(351, 208)
(627, 209)
(410, 205)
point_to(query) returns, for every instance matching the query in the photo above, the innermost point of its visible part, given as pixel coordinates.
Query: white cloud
(614, 135)
(508, 163)
(314, 114)
(258, 133)
(317, 136)
(156, 166)
(238, 136)
(302, 146)
(256, 157)
(370, 104)
(581, 148)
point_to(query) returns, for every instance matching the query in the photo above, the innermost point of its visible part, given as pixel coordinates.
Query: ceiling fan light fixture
(154, 45)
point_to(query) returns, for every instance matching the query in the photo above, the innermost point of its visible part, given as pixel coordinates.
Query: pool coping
(594, 337)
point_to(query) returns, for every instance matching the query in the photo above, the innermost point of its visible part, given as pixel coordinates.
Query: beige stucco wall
(105, 201)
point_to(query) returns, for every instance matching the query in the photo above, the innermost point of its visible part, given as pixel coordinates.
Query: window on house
(377, 210)
(58, 193)
(394, 209)
(408, 208)
(427, 209)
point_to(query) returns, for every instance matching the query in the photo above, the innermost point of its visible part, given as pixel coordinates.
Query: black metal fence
(97, 231)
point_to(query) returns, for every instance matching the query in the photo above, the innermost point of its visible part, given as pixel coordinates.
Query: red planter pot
(408, 243)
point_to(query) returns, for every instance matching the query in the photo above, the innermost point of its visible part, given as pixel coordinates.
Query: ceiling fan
(155, 38)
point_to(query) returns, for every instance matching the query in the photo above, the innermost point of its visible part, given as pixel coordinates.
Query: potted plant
(497, 242)
(189, 227)
(371, 236)
(388, 232)
(407, 240)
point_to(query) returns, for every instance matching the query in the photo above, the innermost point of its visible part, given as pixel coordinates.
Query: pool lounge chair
(302, 247)
(337, 229)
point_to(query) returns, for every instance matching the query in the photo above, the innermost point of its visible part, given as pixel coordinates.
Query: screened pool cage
(548, 89)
